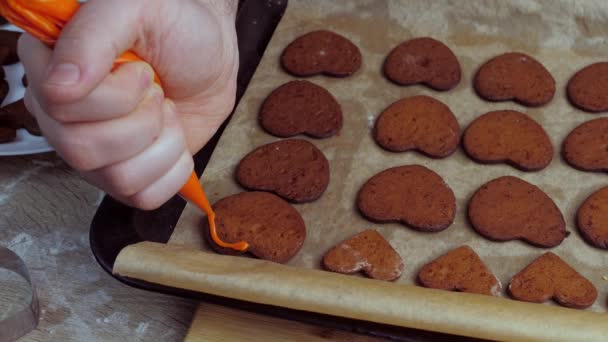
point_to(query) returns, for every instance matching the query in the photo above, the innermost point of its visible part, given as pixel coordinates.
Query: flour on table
(20, 244)
(141, 328)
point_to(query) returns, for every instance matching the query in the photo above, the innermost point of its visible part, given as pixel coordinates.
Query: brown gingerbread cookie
(4, 88)
(31, 125)
(460, 270)
(586, 147)
(549, 277)
(8, 46)
(299, 107)
(321, 52)
(511, 137)
(509, 208)
(423, 60)
(13, 114)
(418, 123)
(410, 194)
(366, 252)
(588, 88)
(7, 134)
(293, 169)
(16, 115)
(592, 218)
(273, 229)
(515, 76)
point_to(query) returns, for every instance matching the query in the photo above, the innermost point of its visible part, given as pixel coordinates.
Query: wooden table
(46, 210)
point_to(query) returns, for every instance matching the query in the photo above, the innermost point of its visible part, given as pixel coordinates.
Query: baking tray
(116, 226)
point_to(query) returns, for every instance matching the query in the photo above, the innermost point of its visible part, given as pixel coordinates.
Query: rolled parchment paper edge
(353, 297)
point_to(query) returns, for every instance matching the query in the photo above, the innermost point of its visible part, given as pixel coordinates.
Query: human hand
(122, 132)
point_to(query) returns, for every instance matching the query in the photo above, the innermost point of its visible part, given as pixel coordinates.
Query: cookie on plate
(293, 169)
(509, 208)
(301, 107)
(8, 46)
(510, 137)
(321, 52)
(7, 134)
(274, 230)
(366, 252)
(418, 123)
(549, 277)
(423, 60)
(515, 76)
(4, 88)
(411, 194)
(15, 115)
(461, 270)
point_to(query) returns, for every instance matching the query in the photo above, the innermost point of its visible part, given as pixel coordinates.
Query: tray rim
(112, 214)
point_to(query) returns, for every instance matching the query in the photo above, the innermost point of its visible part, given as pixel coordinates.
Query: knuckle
(79, 33)
(77, 151)
(146, 202)
(79, 38)
(119, 181)
(153, 125)
(79, 161)
(57, 113)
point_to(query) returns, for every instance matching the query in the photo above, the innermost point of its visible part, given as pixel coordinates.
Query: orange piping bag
(44, 19)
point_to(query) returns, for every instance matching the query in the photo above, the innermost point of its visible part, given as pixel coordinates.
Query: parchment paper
(564, 35)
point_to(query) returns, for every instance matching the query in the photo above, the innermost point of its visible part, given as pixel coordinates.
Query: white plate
(25, 142)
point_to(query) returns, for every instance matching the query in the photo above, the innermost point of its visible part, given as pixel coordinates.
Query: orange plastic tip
(193, 192)
(44, 19)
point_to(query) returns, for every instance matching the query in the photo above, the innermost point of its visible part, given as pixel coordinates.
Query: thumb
(85, 52)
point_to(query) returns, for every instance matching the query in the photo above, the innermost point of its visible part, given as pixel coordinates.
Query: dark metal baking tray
(116, 226)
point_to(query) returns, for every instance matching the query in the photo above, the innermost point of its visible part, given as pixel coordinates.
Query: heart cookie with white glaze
(366, 252)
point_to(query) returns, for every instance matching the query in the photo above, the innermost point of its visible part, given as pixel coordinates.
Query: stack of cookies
(15, 115)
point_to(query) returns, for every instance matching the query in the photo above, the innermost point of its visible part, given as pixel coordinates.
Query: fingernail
(63, 74)
(169, 108)
(157, 94)
(147, 76)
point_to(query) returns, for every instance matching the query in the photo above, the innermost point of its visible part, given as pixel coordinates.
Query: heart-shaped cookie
(4, 88)
(299, 107)
(321, 52)
(588, 88)
(515, 76)
(586, 147)
(508, 136)
(8, 46)
(418, 123)
(293, 169)
(411, 194)
(273, 229)
(366, 252)
(549, 277)
(7, 134)
(16, 115)
(509, 208)
(461, 270)
(592, 218)
(423, 60)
